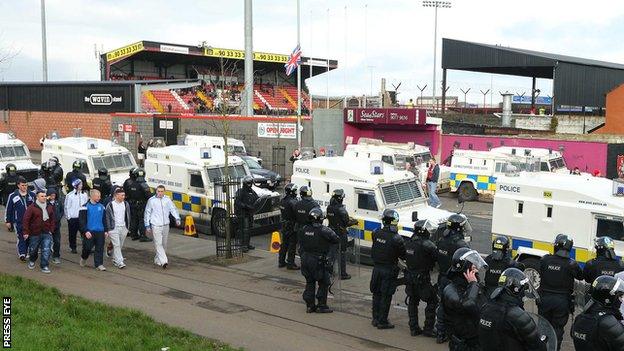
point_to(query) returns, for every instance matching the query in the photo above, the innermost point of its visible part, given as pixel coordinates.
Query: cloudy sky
(378, 38)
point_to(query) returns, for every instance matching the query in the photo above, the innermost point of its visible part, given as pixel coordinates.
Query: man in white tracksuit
(117, 224)
(157, 212)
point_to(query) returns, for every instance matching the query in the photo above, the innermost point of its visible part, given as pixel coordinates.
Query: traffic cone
(276, 242)
(189, 227)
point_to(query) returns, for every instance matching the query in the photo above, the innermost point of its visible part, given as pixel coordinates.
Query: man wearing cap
(73, 202)
(16, 206)
(156, 218)
(117, 224)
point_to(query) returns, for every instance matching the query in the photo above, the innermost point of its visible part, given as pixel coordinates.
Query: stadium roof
(576, 81)
(210, 56)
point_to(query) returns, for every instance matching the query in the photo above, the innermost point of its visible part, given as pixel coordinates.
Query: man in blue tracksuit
(16, 206)
(94, 231)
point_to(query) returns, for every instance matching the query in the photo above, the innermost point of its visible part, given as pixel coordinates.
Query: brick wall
(30, 126)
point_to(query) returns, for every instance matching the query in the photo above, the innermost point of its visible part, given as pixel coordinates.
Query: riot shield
(545, 331)
(581, 293)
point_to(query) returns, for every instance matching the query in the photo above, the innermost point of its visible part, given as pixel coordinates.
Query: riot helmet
(423, 228)
(138, 174)
(248, 181)
(103, 173)
(390, 217)
(11, 169)
(563, 245)
(605, 247)
(53, 162)
(305, 191)
(338, 195)
(316, 215)
(131, 172)
(515, 283)
(465, 258)
(77, 165)
(291, 189)
(500, 247)
(608, 291)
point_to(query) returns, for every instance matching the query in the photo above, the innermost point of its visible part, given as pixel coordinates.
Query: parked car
(264, 178)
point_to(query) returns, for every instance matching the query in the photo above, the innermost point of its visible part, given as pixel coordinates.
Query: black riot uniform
(339, 221)
(76, 173)
(288, 249)
(498, 261)
(315, 241)
(503, 322)
(605, 263)
(388, 247)
(56, 173)
(245, 207)
(8, 183)
(557, 273)
(303, 207)
(137, 192)
(451, 241)
(599, 326)
(103, 184)
(462, 300)
(420, 258)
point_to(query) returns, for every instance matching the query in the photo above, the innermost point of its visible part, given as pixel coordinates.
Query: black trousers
(440, 324)
(383, 286)
(73, 225)
(289, 244)
(418, 288)
(556, 309)
(316, 274)
(339, 251)
(245, 222)
(137, 224)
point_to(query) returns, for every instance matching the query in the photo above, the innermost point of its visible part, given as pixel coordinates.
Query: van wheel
(467, 192)
(531, 269)
(217, 223)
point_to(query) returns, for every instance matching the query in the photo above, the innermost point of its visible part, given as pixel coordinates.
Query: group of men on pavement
(97, 213)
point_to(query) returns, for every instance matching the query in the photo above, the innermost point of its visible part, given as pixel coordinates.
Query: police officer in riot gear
(605, 263)
(76, 173)
(315, 241)
(289, 236)
(339, 221)
(503, 322)
(498, 261)
(420, 258)
(599, 326)
(103, 184)
(388, 247)
(245, 207)
(451, 241)
(557, 273)
(303, 207)
(137, 192)
(8, 183)
(56, 172)
(462, 300)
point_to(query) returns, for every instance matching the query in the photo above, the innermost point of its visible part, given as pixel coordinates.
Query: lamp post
(435, 5)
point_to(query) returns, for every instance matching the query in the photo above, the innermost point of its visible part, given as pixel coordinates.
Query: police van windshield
(217, 174)
(13, 152)
(557, 163)
(401, 193)
(236, 150)
(117, 162)
(425, 156)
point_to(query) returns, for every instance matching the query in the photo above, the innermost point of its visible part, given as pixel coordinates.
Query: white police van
(532, 208)
(191, 174)
(370, 187)
(550, 160)
(235, 146)
(93, 154)
(13, 150)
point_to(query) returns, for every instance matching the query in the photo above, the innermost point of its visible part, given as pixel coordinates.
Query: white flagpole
(299, 75)
(310, 63)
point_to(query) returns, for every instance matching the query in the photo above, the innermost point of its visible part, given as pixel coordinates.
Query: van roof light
(376, 167)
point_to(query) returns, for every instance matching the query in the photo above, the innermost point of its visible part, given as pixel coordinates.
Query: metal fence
(221, 219)
(279, 160)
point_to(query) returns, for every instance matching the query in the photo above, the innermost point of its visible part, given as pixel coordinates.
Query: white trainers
(82, 262)
(101, 268)
(31, 265)
(45, 270)
(56, 260)
(121, 266)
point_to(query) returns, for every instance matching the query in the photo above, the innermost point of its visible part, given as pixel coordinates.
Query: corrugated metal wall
(580, 85)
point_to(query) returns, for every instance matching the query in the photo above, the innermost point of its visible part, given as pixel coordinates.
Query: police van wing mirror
(414, 216)
(468, 238)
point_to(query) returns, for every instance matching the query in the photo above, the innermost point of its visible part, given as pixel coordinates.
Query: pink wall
(587, 156)
(426, 135)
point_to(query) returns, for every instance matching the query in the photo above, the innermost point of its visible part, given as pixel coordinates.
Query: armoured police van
(550, 160)
(191, 176)
(235, 146)
(13, 150)
(93, 155)
(370, 187)
(475, 172)
(532, 208)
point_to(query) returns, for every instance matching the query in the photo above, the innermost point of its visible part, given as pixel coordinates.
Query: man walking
(117, 223)
(17, 203)
(156, 218)
(73, 202)
(58, 214)
(433, 173)
(91, 219)
(38, 225)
